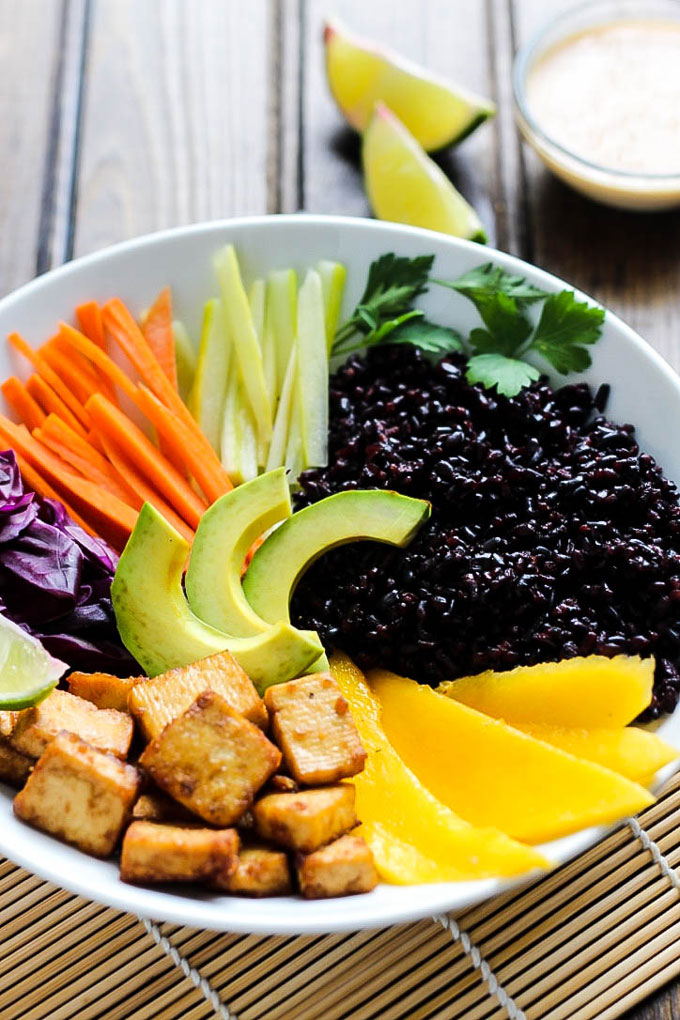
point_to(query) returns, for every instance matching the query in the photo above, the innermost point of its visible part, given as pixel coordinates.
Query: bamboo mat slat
(587, 942)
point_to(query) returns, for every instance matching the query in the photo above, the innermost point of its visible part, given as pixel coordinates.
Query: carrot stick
(84, 458)
(50, 377)
(181, 442)
(35, 481)
(100, 358)
(157, 330)
(110, 421)
(145, 492)
(109, 516)
(51, 402)
(22, 403)
(75, 373)
(89, 316)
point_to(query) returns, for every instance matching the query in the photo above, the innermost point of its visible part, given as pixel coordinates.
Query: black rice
(552, 535)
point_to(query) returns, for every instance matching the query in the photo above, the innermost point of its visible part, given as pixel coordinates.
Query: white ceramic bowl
(644, 391)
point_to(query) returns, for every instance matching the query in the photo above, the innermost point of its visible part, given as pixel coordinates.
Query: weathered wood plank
(627, 260)
(29, 52)
(175, 117)
(448, 38)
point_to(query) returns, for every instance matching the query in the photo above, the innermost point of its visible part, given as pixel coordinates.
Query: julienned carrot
(206, 470)
(50, 377)
(89, 316)
(110, 421)
(51, 402)
(87, 461)
(100, 358)
(34, 480)
(157, 330)
(144, 491)
(22, 403)
(75, 373)
(109, 516)
(126, 333)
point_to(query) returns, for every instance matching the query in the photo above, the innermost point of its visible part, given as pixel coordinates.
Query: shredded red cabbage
(55, 579)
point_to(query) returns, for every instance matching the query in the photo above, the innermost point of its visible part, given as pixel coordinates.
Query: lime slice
(436, 111)
(405, 186)
(27, 671)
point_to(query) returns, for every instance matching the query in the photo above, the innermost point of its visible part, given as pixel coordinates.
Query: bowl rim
(286, 916)
(528, 53)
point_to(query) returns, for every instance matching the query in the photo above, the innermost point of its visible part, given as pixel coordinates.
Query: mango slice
(632, 752)
(585, 692)
(414, 837)
(491, 774)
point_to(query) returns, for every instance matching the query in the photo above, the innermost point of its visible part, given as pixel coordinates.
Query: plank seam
(487, 975)
(191, 973)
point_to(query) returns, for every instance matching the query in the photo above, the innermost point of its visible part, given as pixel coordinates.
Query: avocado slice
(157, 626)
(286, 553)
(225, 534)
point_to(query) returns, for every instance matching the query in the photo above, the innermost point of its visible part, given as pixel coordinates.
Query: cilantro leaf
(508, 375)
(428, 336)
(488, 280)
(564, 331)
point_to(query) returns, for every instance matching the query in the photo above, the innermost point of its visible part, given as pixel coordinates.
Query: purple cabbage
(55, 579)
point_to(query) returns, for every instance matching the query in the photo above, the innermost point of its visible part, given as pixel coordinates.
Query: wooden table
(119, 117)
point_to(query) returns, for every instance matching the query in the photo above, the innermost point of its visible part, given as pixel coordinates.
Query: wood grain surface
(119, 117)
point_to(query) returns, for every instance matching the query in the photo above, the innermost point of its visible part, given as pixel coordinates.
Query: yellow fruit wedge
(436, 111)
(405, 186)
(413, 836)
(588, 692)
(632, 752)
(491, 774)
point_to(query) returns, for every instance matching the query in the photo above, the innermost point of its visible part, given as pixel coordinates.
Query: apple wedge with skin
(158, 627)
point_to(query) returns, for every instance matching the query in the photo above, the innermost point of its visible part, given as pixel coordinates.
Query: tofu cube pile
(192, 777)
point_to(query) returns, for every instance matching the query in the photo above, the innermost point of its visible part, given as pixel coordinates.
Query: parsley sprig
(496, 350)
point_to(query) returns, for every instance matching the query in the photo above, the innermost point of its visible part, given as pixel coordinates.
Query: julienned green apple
(157, 626)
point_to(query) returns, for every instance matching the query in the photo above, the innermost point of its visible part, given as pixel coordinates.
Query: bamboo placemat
(589, 941)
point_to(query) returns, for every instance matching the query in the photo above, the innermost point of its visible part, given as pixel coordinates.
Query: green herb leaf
(508, 375)
(488, 279)
(565, 329)
(428, 336)
(507, 327)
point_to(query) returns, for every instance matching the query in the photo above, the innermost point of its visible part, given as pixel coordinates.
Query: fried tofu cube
(342, 868)
(157, 701)
(158, 807)
(313, 726)
(212, 760)
(260, 871)
(103, 689)
(306, 820)
(79, 794)
(172, 853)
(107, 730)
(14, 766)
(8, 721)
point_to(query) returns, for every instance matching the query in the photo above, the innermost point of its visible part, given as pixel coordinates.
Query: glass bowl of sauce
(597, 96)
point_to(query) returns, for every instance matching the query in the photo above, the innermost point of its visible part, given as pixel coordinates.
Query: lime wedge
(405, 186)
(27, 671)
(436, 111)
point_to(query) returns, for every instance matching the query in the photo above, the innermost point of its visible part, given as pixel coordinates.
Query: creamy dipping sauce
(611, 95)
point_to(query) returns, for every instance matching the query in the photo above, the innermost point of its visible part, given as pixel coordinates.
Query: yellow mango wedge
(405, 186)
(588, 692)
(436, 111)
(414, 837)
(632, 752)
(491, 774)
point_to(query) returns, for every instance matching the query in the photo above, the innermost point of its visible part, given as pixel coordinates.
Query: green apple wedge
(279, 442)
(158, 627)
(351, 516)
(311, 399)
(333, 276)
(206, 401)
(186, 359)
(246, 345)
(281, 319)
(239, 442)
